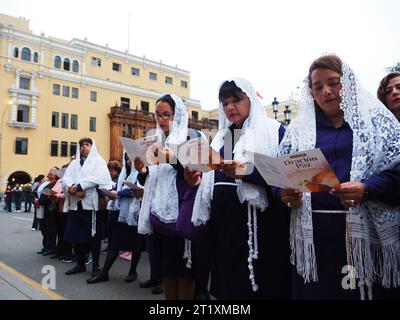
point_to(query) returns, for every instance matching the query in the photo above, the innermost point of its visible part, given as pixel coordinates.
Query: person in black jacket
(50, 210)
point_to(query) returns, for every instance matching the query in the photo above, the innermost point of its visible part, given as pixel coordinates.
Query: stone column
(34, 110)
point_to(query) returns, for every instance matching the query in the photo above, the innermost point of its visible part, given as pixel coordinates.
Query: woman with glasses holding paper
(167, 197)
(346, 238)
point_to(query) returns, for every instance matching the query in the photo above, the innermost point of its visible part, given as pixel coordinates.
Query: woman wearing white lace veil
(85, 224)
(354, 229)
(161, 201)
(249, 251)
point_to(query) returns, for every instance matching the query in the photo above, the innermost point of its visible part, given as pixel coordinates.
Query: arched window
(75, 66)
(26, 54)
(57, 62)
(67, 64)
(16, 52)
(35, 57)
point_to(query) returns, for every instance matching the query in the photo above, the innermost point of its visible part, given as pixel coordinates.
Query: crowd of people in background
(14, 197)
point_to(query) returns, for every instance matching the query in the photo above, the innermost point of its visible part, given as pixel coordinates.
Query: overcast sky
(271, 43)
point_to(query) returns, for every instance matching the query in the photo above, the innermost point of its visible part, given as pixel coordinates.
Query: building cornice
(110, 85)
(127, 56)
(41, 41)
(23, 92)
(22, 125)
(79, 48)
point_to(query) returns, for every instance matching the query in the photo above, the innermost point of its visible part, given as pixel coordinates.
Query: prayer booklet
(305, 171)
(197, 154)
(143, 148)
(131, 185)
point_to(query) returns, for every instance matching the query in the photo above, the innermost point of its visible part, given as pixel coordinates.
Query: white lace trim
(188, 254)
(251, 242)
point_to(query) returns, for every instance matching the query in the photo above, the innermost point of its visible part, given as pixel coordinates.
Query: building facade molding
(130, 58)
(22, 92)
(22, 125)
(80, 49)
(110, 85)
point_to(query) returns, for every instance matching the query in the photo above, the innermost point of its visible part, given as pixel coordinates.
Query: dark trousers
(81, 249)
(35, 223)
(203, 268)
(49, 230)
(18, 204)
(155, 258)
(28, 205)
(9, 205)
(64, 248)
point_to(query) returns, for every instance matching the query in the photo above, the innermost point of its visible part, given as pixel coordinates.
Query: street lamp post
(288, 115)
(275, 105)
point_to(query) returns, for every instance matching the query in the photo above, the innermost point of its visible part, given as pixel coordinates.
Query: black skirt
(230, 251)
(170, 252)
(124, 237)
(330, 249)
(79, 227)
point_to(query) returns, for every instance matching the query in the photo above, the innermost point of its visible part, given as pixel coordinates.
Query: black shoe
(68, 259)
(40, 251)
(157, 290)
(149, 283)
(95, 271)
(48, 252)
(98, 278)
(75, 270)
(131, 277)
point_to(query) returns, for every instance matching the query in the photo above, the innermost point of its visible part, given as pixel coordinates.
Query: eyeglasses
(164, 116)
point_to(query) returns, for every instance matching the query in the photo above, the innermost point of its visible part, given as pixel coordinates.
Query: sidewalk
(16, 286)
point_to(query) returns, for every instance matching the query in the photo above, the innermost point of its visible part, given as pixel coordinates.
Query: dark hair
(331, 62)
(168, 99)
(383, 84)
(126, 156)
(88, 140)
(229, 89)
(114, 164)
(39, 178)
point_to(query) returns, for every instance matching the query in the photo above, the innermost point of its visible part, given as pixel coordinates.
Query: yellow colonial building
(54, 92)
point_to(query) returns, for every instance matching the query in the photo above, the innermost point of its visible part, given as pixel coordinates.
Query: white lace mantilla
(374, 227)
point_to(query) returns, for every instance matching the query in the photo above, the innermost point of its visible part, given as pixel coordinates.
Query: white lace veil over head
(179, 126)
(258, 134)
(373, 227)
(124, 204)
(93, 172)
(94, 169)
(160, 196)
